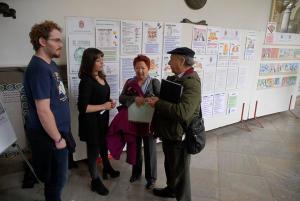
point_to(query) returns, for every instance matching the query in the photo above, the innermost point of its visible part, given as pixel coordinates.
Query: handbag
(195, 136)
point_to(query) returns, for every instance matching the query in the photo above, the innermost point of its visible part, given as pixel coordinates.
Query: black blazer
(92, 126)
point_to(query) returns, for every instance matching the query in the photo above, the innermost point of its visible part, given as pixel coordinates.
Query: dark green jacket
(170, 116)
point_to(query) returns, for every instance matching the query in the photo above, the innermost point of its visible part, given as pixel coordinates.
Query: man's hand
(152, 101)
(60, 144)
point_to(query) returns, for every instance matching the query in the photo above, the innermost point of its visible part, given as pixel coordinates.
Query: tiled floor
(236, 165)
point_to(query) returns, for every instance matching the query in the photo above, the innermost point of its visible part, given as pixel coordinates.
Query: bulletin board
(227, 60)
(276, 80)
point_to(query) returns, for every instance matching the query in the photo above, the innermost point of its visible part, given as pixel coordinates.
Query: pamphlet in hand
(142, 114)
(170, 91)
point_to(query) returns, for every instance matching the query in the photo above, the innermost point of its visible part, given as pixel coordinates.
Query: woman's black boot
(98, 186)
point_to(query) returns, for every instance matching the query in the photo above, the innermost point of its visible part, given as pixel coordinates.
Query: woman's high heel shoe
(111, 172)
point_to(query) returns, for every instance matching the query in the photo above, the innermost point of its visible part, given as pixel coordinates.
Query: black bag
(195, 136)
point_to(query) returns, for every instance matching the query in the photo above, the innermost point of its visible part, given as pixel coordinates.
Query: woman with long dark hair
(94, 104)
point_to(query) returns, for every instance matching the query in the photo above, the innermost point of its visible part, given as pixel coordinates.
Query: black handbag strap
(200, 112)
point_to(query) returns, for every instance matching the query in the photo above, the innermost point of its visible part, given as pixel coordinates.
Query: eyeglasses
(57, 40)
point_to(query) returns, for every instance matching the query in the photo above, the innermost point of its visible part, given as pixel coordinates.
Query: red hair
(143, 58)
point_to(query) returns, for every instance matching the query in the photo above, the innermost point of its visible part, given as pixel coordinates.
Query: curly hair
(143, 58)
(42, 30)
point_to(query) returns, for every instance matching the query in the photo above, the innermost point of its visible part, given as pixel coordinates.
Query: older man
(170, 120)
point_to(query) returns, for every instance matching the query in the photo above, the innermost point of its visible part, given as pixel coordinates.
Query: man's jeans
(59, 174)
(50, 164)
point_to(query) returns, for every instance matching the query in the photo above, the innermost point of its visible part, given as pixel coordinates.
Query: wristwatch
(58, 141)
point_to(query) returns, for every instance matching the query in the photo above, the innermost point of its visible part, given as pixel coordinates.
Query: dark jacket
(171, 116)
(92, 126)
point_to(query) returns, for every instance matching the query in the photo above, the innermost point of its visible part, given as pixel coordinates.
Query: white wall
(16, 50)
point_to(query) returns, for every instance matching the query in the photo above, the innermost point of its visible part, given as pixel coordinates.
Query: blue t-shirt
(42, 81)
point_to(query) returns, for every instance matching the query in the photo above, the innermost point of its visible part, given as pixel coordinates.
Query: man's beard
(56, 54)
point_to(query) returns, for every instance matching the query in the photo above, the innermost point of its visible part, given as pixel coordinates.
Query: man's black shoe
(163, 192)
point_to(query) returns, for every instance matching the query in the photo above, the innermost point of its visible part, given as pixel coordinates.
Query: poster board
(7, 133)
(276, 80)
(227, 61)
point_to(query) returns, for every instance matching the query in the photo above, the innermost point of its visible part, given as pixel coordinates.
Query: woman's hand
(108, 105)
(113, 103)
(139, 101)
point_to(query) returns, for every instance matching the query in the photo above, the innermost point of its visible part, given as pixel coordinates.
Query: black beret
(183, 51)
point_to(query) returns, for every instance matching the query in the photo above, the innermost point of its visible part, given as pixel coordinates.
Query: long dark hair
(89, 56)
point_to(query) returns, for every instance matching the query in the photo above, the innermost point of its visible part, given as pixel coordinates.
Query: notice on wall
(270, 31)
(223, 53)
(77, 45)
(172, 36)
(251, 40)
(220, 103)
(80, 25)
(198, 65)
(278, 68)
(131, 37)
(166, 69)
(232, 77)
(235, 51)
(209, 81)
(207, 104)
(152, 38)
(127, 69)
(112, 77)
(221, 77)
(199, 39)
(232, 102)
(155, 66)
(243, 78)
(73, 87)
(213, 36)
(108, 39)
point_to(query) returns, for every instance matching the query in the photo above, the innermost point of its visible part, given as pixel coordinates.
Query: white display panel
(227, 61)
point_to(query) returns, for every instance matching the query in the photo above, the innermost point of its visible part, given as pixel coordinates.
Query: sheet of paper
(112, 77)
(221, 77)
(166, 69)
(172, 36)
(232, 77)
(152, 38)
(131, 37)
(223, 53)
(220, 103)
(155, 66)
(207, 104)
(243, 78)
(77, 45)
(143, 113)
(213, 37)
(232, 102)
(234, 57)
(127, 69)
(73, 87)
(199, 39)
(108, 39)
(250, 46)
(209, 81)
(80, 25)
